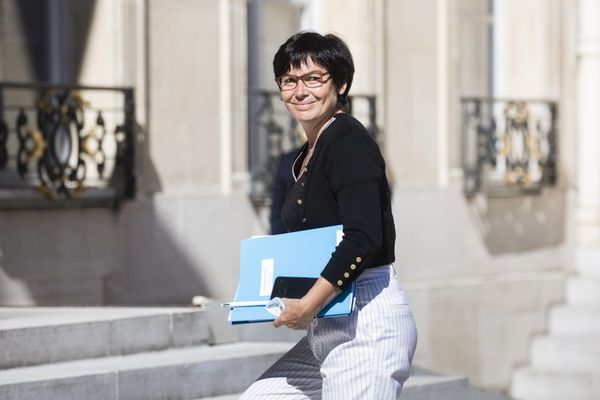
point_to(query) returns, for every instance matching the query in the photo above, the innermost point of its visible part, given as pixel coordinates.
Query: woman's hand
(295, 315)
(299, 313)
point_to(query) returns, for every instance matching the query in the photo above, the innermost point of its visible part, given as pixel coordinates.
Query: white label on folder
(266, 276)
(338, 236)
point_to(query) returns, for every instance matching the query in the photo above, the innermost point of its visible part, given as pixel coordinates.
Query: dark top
(345, 183)
(282, 179)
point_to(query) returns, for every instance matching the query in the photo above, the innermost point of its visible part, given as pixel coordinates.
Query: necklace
(304, 167)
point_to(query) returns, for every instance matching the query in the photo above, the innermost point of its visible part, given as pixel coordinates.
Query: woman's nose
(301, 89)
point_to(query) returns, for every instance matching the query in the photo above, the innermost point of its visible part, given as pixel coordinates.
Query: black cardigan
(345, 183)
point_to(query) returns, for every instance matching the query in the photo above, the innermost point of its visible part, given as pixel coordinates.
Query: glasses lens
(287, 83)
(313, 80)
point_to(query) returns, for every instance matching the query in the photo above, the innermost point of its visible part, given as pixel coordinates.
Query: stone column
(588, 128)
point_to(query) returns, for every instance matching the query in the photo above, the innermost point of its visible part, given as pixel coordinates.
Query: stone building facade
(482, 269)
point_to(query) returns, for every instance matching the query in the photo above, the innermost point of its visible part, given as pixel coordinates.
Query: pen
(245, 303)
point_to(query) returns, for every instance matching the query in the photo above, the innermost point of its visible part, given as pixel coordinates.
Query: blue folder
(301, 254)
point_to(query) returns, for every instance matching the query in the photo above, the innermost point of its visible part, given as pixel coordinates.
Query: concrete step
(572, 353)
(535, 384)
(583, 291)
(32, 336)
(189, 373)
(571, 320)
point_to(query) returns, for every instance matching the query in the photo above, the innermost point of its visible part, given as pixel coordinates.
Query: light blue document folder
(301, 254)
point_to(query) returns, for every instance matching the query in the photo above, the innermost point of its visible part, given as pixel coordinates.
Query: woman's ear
(342, 89)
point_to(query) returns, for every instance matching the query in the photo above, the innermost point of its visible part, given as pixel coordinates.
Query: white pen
(245, 303)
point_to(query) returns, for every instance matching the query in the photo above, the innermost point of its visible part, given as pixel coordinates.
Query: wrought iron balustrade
(63, 145)
(509, 146)
(273, 132)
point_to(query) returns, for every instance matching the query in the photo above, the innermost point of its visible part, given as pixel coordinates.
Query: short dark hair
(328, 51)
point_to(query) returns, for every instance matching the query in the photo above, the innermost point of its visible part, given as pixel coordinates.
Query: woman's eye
(313, 78)
(288, 81)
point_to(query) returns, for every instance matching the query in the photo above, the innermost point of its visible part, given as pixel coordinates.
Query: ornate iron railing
(273, 132)
(509, 146)
(66, 145)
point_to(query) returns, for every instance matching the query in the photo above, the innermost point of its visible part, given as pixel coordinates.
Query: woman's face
(310, 106)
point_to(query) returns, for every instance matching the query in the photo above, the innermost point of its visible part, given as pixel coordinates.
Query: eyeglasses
(311, 80)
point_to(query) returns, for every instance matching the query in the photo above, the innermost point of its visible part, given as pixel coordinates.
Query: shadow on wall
(155, 268)
(177, 247)
(92, 256)
(56, 256)
(521, 223)
(148, 178)
(12, 290)
(166, 242)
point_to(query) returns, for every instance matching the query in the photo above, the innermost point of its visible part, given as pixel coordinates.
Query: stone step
(588, 262)
(570, 320)
(573, 353)
(416, 387)
(583, 291)
(420, 387)
(535, 384)
(40, 335)
(435, 387)
(194, 372)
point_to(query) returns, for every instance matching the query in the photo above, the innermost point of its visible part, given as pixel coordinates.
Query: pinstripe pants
(365, 356)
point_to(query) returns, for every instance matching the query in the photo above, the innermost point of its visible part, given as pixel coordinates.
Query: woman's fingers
(291, 315)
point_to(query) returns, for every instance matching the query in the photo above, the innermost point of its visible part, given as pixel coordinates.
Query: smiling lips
(303, 106)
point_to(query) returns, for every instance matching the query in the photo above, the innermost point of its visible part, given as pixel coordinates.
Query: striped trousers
(365, 356)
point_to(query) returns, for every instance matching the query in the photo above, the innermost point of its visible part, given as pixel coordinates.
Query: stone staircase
(122, 353)
(110, 353)
(565, 363)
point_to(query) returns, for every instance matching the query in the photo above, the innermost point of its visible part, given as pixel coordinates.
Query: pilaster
(588, 125)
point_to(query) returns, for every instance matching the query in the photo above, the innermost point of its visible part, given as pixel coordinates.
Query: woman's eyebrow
(308, 73)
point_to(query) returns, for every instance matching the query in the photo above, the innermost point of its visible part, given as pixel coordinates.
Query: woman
(339, 178)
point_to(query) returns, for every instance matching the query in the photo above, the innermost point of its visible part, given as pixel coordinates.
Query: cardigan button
(340, 283)
(346, 275)
(303, 220)
(299, 202)
(353, 267)
(358, 259)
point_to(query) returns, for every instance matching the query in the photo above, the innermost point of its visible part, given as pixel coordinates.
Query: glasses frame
(321, 81)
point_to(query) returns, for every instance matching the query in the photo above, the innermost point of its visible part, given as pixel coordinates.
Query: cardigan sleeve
(356, 171)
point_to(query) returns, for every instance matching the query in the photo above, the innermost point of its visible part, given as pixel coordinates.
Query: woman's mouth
(303, 106)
